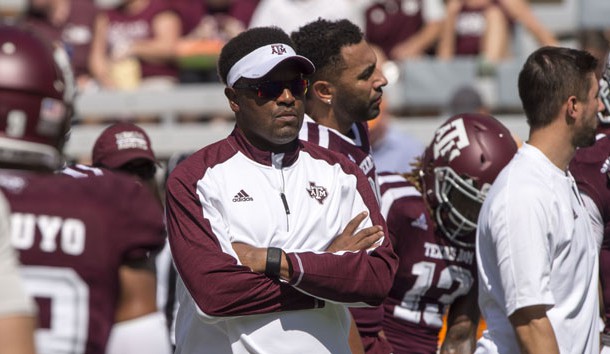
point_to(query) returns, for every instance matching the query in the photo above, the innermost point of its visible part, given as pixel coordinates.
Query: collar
(238, 140)
(359, 130)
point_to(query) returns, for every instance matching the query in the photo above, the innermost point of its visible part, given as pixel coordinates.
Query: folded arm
(534, 330)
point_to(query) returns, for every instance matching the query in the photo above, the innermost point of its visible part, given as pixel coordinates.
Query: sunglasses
(145, 171)
(272, 89)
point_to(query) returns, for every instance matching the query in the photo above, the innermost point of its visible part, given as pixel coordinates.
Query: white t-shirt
(535, 247)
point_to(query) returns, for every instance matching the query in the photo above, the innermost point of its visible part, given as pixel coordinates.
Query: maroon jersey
(470, 27)
(591, 170)
(73, 234)
(432, 271)
(75, 34)
(389, 23)
(357, 148)
(124, 28)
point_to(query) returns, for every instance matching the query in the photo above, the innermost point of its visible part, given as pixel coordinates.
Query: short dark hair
(549, 77)
(245, 43)
(321, 42)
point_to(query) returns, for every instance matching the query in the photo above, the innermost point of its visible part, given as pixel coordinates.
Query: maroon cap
(121, 143)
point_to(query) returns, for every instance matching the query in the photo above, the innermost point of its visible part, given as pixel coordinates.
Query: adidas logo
(242, 197)
(420, 222)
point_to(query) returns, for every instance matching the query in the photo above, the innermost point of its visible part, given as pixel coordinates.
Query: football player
(344, 94)
(74, 235)
(591, 170)
(432, 216)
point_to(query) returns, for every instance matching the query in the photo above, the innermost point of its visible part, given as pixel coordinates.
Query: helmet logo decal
(450, 139)
(317, 192)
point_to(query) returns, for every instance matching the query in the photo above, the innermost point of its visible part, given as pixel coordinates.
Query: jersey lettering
(68, 297)
(439, 252)
(69, 234)
(413, 310)
(449, 253)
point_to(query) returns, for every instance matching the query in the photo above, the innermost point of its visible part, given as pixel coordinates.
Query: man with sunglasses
(272, 237)
(345, 92)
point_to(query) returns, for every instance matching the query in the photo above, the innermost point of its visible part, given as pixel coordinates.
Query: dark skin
(269, 124)
(462, 322)
(353, 95)
(349, 240)
(273, 124)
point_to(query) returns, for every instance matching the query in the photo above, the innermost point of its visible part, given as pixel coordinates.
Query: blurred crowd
(402, 184)
(148, 44)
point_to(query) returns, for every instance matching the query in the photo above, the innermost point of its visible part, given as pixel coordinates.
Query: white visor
(261, 61)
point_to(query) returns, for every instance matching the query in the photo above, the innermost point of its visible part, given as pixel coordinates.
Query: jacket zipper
(284, 201)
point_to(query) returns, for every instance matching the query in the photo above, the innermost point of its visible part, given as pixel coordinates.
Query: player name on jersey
(449, 253)
(66, 234)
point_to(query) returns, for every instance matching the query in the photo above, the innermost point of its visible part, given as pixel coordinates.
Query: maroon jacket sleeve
(218, 285)
(350, 277)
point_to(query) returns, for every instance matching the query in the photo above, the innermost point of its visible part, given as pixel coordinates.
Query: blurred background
(152, 62)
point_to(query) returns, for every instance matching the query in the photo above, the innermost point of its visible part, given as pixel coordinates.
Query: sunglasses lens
(298, 87)
(272, 89)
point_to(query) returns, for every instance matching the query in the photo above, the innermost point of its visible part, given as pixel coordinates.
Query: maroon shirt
(432, 271)
(192, 11)
(368, 319)
(471, 25)
(75, 33)
(389, 23)
(73, 234)
(126, 28)
(590, 168)
(358, 150)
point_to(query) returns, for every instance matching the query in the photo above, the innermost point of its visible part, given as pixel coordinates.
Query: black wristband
(274, 262)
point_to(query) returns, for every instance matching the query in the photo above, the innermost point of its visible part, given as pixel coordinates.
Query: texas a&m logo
(606, 167)
(278, 49)
(316, 192)
(450, 139)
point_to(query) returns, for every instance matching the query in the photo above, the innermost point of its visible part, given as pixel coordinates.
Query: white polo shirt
(535, 246)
